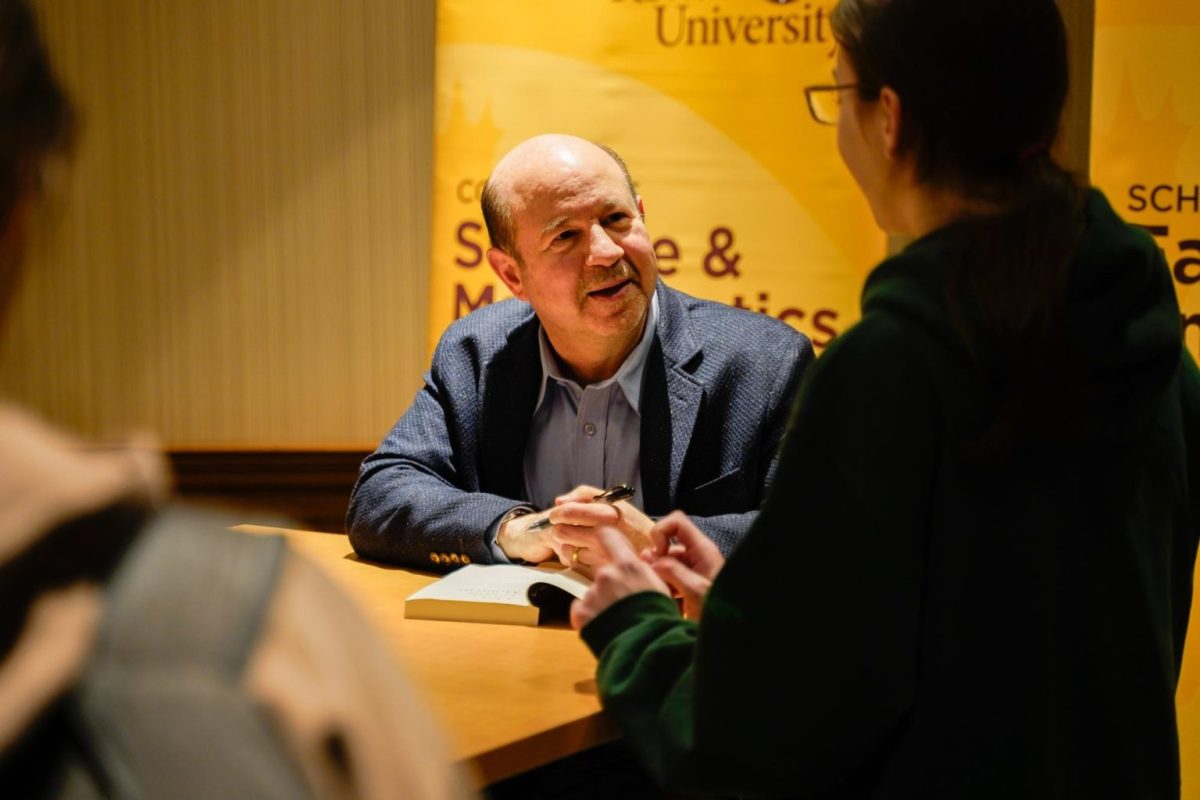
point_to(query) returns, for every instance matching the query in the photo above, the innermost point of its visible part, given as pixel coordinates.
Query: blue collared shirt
(587, 434)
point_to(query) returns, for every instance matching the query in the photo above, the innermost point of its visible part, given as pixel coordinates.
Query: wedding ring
(575, 556)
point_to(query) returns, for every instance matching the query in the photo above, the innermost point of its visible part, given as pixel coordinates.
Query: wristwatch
(494, 534)
(513, 513)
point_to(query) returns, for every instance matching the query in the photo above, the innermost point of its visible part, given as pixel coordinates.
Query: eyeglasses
(825, 102)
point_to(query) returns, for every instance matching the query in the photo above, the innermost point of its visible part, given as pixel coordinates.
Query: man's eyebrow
(555, 224)
(561, 221)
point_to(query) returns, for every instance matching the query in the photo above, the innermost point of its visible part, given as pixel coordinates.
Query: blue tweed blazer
(716, 395)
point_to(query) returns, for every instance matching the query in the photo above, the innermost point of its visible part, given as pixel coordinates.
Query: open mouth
(611, 291)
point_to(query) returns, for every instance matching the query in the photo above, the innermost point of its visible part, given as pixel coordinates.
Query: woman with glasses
(973, 575)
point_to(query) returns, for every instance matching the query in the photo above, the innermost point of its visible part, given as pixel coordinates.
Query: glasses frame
(810, 91)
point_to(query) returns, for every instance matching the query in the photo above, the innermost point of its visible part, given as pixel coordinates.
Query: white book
(501, 593)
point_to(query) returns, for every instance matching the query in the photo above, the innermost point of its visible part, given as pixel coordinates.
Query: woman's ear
(889, 107)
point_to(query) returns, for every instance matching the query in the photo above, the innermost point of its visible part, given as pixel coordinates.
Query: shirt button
(589, 429)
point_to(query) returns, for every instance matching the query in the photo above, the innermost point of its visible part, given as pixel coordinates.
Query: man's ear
(507, 269)
(641, 207)
(889, 107)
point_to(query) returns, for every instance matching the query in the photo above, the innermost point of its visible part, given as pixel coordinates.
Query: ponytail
(1013, 270)
(982, 85)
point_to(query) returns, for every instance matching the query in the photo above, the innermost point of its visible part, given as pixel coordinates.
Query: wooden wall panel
(239, 254)
(293, 488)
(1074, 145)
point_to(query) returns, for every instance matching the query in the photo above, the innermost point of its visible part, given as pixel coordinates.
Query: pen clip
(622, 491)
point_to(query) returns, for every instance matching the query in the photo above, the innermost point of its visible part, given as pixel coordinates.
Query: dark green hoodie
(908, 618)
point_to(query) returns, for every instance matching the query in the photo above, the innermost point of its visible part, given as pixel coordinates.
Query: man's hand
(685, 558)
(521, 544)
(576, 522)
(623, 574)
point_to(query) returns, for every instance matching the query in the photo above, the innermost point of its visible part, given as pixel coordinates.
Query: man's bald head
(522, 170)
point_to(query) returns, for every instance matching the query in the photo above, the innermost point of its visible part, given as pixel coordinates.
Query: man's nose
(602, 250)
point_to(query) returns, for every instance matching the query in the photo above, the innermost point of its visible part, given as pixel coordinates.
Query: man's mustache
(622, 270)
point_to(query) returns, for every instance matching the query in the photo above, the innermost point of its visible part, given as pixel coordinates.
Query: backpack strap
(162, 710)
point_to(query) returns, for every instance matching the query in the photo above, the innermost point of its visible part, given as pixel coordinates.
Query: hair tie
(1031, 152)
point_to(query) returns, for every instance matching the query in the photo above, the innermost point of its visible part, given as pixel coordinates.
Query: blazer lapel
(510, 392)
(671, 400)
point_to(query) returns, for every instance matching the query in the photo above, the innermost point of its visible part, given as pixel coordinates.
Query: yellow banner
(1146, 157)
(746, 197)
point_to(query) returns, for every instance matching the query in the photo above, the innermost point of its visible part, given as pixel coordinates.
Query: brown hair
(982, 85)
(36, 117)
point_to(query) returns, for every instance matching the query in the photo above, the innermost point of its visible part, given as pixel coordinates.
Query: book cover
(499, 593)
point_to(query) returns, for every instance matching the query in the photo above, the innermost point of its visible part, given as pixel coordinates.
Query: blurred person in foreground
(996, 471)
(144, 650)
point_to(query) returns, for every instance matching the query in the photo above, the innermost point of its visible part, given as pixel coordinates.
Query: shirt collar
(628, 377)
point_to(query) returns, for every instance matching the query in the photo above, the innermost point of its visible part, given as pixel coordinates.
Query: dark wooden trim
(311, 488)
(1073, 149)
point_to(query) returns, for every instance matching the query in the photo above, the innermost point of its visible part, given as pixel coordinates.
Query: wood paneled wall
(292, 488)
(1074, 145)
(238, 255)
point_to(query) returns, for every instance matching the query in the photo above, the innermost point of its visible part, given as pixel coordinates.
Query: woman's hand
(623, 574)
(685, 558)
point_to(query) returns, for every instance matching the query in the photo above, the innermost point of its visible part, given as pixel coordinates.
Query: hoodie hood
(1121, 315)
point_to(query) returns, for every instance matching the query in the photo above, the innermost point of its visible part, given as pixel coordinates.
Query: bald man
(596, 374)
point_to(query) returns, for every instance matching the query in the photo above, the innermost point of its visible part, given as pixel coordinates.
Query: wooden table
(514, 698)
(510, 698)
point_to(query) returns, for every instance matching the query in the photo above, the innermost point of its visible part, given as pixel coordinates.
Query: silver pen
(622, 491)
